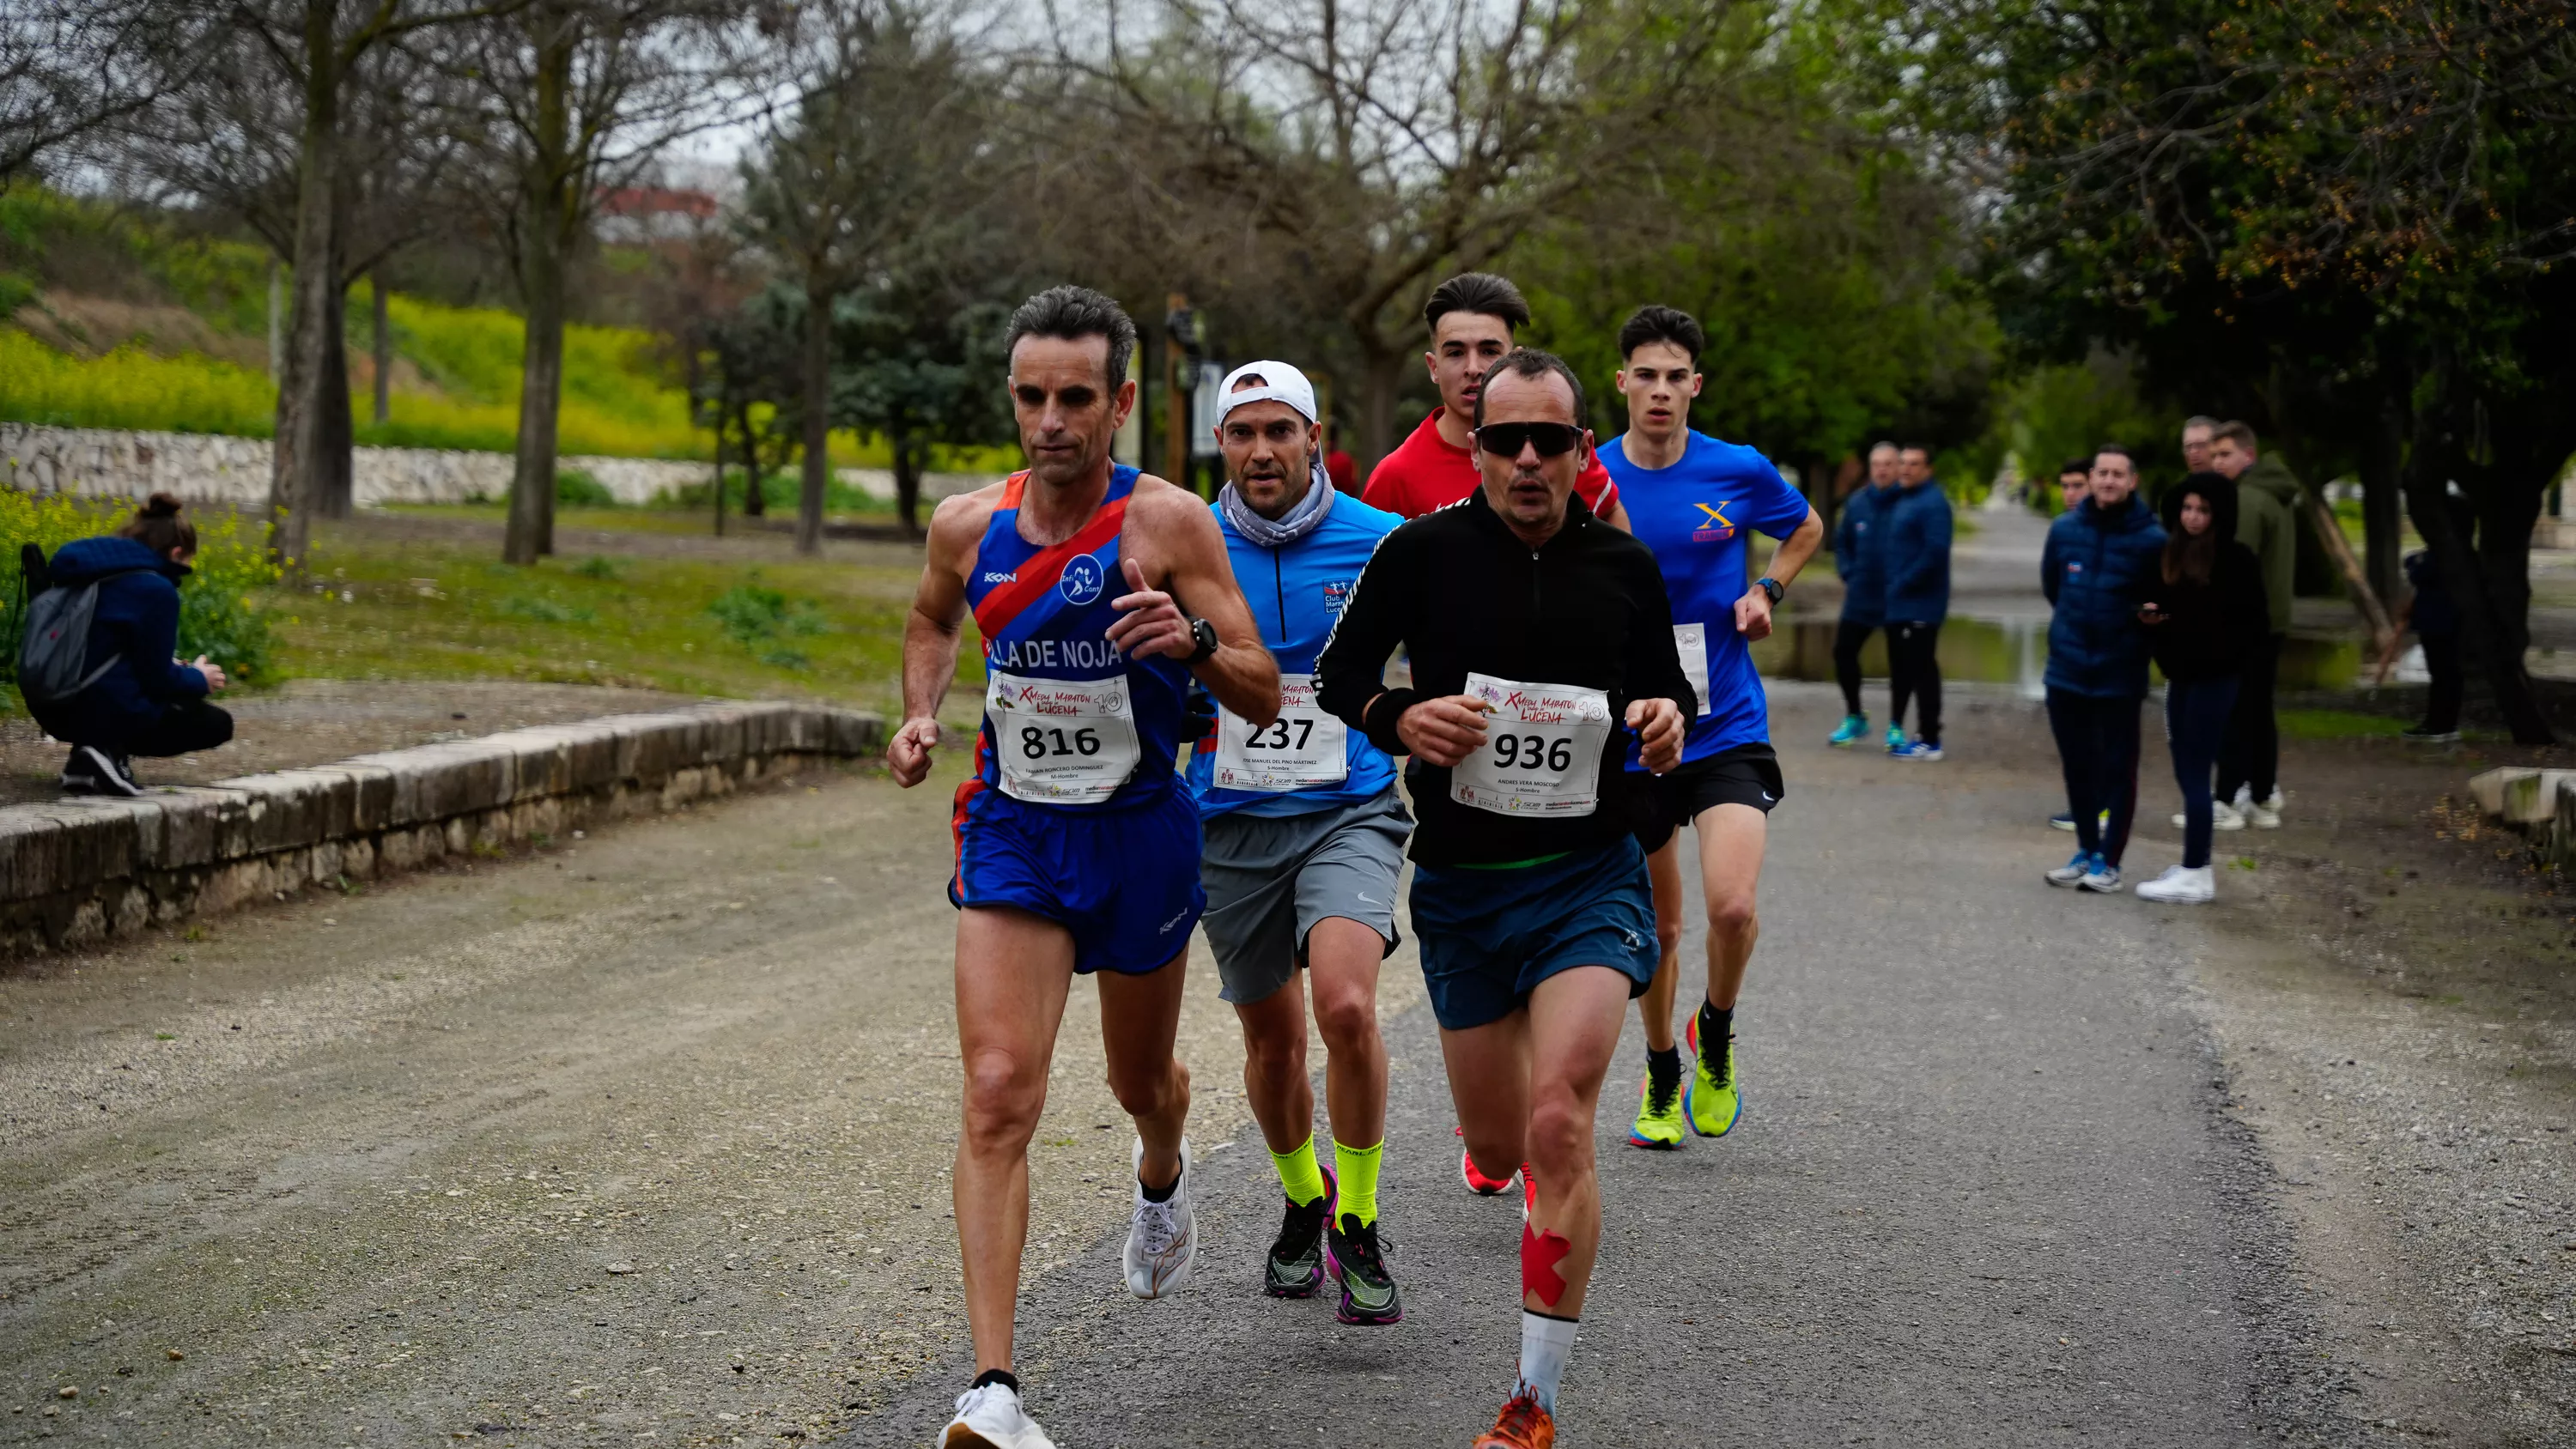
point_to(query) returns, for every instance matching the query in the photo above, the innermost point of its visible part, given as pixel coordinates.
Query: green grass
(427, 609)
(2338, 724)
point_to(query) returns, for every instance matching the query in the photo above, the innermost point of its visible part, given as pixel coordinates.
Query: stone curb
(77, 871)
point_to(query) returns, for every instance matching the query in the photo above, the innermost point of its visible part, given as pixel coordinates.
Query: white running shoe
(2261, 814)
(2222, 816)
(2102, 879)
(2181, 886)
(1162, 1240)
(989, 1416)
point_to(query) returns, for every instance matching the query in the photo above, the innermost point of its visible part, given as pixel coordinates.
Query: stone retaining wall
(82, 870)
(204, 468)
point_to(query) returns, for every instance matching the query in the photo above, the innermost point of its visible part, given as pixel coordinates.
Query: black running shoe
(1368, 1294)
(1295, 1267)
(93, 771)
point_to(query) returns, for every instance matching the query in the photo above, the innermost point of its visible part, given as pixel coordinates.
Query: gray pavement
(1984, 1193)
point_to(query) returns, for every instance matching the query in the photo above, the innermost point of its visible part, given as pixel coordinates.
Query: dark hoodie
(2212, 628)
(137, 621)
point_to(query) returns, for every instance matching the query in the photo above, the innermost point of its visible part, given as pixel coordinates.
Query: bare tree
(228, 142)
(867, 172)
(576, 98)
(69, 66)
(319, 46)
(1385, 143)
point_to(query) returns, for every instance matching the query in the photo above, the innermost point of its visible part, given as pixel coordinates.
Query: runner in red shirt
(1472, 317)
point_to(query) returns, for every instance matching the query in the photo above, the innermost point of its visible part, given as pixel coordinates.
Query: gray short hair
(1070, 314)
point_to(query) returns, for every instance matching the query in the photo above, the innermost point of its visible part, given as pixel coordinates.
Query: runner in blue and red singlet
(1099, 594)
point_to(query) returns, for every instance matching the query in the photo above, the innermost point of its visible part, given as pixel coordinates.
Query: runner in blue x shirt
(1305, 843)
(1693, 499)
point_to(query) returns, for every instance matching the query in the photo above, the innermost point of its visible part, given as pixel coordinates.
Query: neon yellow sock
(1357, 1167)
(1299, 1173)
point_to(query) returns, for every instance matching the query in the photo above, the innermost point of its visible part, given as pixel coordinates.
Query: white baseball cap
(1273, 382)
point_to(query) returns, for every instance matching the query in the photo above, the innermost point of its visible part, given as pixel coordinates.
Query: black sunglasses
(1505, 440)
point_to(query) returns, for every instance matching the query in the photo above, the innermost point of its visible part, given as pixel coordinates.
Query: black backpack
(53, 655)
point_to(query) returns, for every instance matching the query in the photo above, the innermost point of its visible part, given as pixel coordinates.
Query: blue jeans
(2196, 717)
(2097, 742)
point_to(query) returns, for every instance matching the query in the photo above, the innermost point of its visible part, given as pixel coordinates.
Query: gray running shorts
(1269, 879)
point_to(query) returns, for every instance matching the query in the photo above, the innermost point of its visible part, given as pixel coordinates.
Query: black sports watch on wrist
(1771, 586)
(1205, 633)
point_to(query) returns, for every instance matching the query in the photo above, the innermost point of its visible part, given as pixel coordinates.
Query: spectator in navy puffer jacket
(147, 703)
(1917, 548)
(2096, 568)
(1862, 565)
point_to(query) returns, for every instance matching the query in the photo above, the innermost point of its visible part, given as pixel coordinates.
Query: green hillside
(120, 320)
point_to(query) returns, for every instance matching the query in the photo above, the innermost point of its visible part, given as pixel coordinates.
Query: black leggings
(2251, 756)
(1849, 636)
(1914, 672)
(182, 729)
(2442, 703)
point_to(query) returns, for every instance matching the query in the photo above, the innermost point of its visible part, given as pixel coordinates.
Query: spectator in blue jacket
(147, 703)
(1916, 546)
(1857, 558)
(2095, 567)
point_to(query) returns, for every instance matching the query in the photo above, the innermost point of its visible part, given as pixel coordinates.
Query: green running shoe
(1711, 1101)
(1853, 727)
(1294, 1267)
(1895, 738)
(1358, 1262)
(1659, 1115)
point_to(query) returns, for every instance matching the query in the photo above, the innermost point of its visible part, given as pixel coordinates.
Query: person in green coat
(2249, 761)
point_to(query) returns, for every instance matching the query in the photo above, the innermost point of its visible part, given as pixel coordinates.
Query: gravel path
(2018, 1168)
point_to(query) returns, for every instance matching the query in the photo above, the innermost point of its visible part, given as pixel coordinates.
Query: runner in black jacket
(1536, 633)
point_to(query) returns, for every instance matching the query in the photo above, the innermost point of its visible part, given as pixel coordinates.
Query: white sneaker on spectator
(2261, 814)
(2222, 816)
(2181, 886)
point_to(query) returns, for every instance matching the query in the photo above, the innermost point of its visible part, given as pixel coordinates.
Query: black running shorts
(1744, 775)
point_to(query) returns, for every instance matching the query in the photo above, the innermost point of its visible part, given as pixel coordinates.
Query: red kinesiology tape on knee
(1540, 1253)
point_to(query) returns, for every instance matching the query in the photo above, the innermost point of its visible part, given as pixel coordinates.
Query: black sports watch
(1205, 633)
(1771, 586)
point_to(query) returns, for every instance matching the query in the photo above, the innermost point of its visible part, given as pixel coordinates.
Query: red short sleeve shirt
(1425, 472)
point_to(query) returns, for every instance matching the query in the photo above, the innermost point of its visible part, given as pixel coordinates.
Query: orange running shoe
(1521, 1425)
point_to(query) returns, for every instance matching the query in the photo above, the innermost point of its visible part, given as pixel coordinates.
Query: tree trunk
(2383, 461)
(2329, 532)
(382, 343)
(720, 476)
(755, 488)
(2494, 644)
(1384, 373)
(818, 416)
(907, 480)
(294, 485)
(547, 209)
(338, 464)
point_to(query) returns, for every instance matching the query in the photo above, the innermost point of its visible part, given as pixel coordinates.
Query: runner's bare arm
(1172, 537)
(1753, 611)
(1617, 517)
(931, 632)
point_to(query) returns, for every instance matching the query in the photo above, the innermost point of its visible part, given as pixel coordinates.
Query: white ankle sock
(1545, 1342)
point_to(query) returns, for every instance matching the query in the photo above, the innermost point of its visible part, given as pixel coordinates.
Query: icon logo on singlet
(1337, 594)
(1717, 528)
(1082, 579)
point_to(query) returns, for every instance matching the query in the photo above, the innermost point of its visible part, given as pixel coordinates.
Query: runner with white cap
(1305, 844)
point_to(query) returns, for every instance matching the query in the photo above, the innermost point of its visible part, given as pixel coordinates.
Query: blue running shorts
(1489, 937)
(1125, 882)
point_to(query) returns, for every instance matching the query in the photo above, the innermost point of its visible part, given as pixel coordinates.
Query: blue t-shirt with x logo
(1695, 516)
